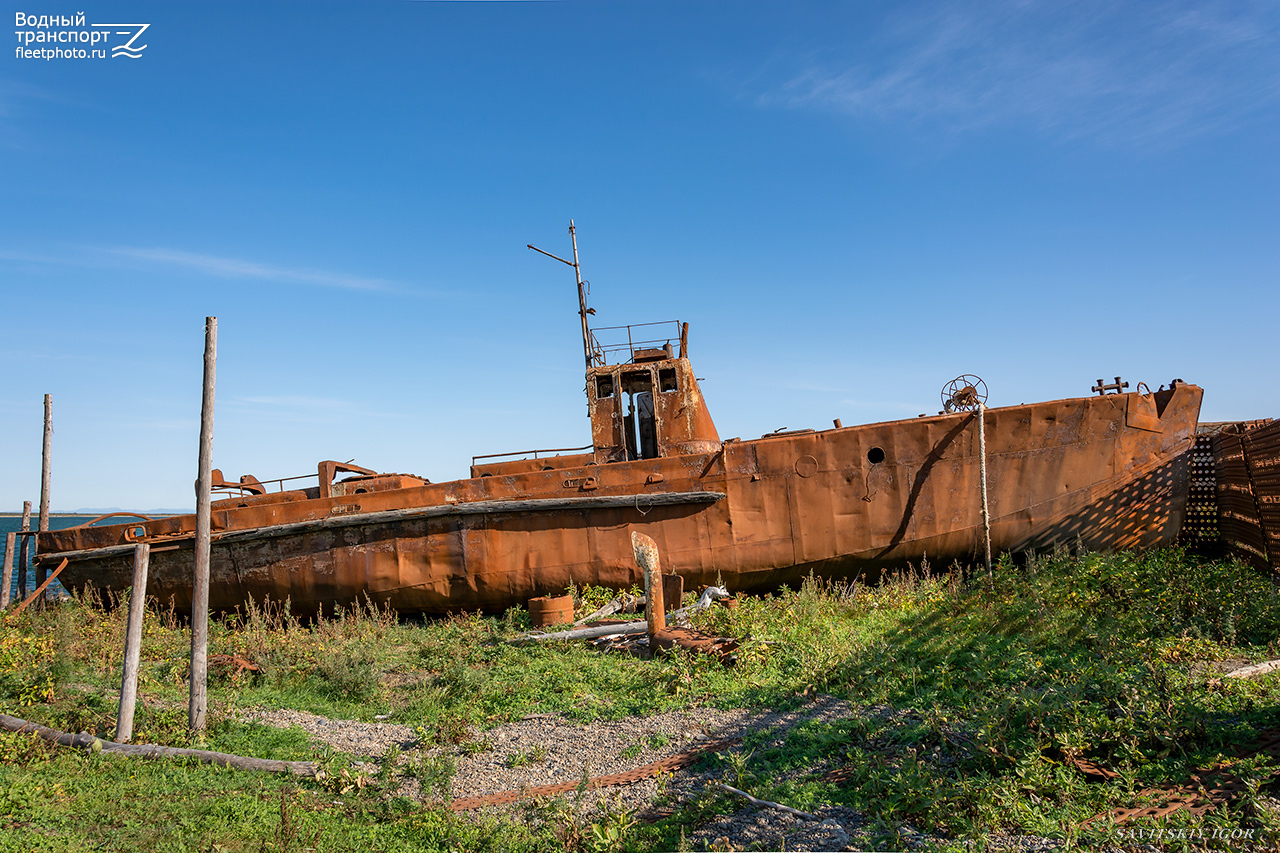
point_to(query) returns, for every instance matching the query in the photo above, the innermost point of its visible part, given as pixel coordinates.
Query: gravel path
(546, 749)
(364, 740)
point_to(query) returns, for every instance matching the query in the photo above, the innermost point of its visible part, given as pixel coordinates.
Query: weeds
(524, 758)
(434, 774)
(979, 697)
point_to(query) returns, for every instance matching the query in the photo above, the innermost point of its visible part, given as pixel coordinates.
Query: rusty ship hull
(1102, 473)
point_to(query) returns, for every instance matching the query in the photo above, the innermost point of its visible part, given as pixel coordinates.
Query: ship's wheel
(964, 393)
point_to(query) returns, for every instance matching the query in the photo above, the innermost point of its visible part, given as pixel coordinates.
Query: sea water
(13, 523)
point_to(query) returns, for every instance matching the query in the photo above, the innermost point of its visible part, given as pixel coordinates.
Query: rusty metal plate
(1247, 466)
(724, 648)
(1204, 791)
(1200, 521)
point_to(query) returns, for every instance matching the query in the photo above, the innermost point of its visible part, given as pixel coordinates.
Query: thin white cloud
(115, 256)
(293, 402)
(236, 268)
(1121, 73)
(13, 93)
(155, 423)
(883, 405)
(289, 408)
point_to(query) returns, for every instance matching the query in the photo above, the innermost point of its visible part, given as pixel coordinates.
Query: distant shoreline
(36, 515)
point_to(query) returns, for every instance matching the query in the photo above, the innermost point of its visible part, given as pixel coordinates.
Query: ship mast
(583, 310)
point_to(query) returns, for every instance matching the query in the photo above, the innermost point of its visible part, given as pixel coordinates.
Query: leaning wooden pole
(44, 484)
(6, 582)
(133, 643)
(24, 555)
(199, 704)
(982, 468)
(35, 596)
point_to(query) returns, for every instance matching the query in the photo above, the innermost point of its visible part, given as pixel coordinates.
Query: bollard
(646, 553)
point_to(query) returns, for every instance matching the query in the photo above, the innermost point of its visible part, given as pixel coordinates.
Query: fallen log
(84, 740)
(769, 803)
(1255, 669)
(708, 597)
(624, 602)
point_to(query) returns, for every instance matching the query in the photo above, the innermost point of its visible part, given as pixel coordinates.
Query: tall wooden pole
(133, 643)
(7, 581)
(982, 468)
(200, 593)
(25, 552)
(44, 485)
(44, 462)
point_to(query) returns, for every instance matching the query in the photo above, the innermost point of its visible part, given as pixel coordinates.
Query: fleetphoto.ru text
(68, 37)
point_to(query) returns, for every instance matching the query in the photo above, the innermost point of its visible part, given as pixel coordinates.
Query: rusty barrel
(550, 610)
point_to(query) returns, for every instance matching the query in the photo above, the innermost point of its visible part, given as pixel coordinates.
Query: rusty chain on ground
(1206, 790)
(666, 765)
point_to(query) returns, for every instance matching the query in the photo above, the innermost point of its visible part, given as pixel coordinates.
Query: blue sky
(850, 203)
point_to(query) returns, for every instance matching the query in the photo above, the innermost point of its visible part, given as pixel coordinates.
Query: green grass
(984, 690)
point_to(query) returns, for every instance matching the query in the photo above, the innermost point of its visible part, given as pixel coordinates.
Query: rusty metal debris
(1206, 789)
(638, 644)
(1103, 472)
(1247, 468)
(1090, 768)
(724, 648)
(236, 662)
(666, 765)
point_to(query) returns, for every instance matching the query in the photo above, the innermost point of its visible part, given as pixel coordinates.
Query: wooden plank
(39, 590)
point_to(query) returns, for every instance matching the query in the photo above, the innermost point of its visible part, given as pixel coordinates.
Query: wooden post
(982, 468)
(44, 462)
(7, 581)
(132, 643)
(199, 704)
(24, 554)
(41, 571)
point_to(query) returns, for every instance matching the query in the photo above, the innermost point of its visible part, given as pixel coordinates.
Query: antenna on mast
(583, 310)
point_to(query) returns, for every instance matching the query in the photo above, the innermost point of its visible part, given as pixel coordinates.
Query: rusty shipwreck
(1103, 472)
